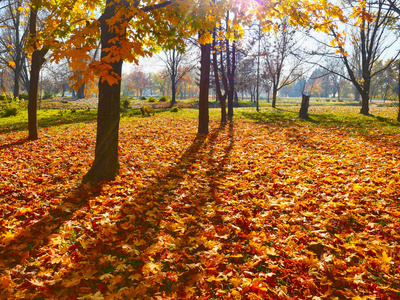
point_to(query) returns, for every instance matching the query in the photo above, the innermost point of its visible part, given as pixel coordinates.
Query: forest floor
(265, 207)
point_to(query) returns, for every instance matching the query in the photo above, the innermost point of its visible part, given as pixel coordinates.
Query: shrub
(125, 103)
(23, 96)
(9, 111)
(47, 95)
(146, 111)
(151, 99)
(143, 98)
(163, 99)
(11, 106)
(174, 109)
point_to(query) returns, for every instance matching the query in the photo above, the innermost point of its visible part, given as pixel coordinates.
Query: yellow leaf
(386, 258)
(270, 251)
(11, 64)
(7, 237)
(235, 281)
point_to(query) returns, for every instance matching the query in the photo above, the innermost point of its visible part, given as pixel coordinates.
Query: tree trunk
(305, 103)
(174, 71)
(356, 95)
(205, 64)
(173, 91)
(18, 54)
(231, 80)
(274, 95)
(398, 90)
(364, 104)
(236, 98)
(37, 61)
(106, 165)
(81, 91)
(221, 98)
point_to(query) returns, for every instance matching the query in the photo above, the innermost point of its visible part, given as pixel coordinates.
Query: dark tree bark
(205, 66)
(106, 165)
(18, 56)
(274, 94)
(231, 64)
(37, 62)
(398, 89)
(221, 97)
(364, 104)
(81, 91)
(174, 70)
(305, 103)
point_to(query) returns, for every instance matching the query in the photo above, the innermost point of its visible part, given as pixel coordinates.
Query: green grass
(345, 117)
(47, 118)
(382, 119)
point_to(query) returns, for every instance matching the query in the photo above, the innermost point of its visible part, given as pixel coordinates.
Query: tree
(178, 65)
(277, 51)
(14, 33)
(137, 80)
(369, 42)
(217, 49)
(247, 77)
(205, 66)
(119, 40)
(59, 74)
(130, 29)
(398, 88)
(38, 59)
(230, 66)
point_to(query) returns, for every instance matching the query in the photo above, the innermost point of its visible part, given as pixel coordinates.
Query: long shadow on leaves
(168, 219)
(38, 228)
(155, 215)
(17, 143)
(179, 212)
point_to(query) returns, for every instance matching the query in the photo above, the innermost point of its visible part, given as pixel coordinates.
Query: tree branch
(156, 6)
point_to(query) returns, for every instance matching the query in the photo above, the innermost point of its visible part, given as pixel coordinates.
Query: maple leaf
(4, 281)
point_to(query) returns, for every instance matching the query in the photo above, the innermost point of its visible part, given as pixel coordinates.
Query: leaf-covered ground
(265, 207)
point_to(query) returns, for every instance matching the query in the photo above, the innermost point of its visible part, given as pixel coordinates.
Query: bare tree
(277, 51)
(178, 65)
(361, 50)
(14, 32)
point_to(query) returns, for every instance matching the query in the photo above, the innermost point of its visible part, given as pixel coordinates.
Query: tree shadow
(151, 214)
(36, 232)
(390, 122)
(56, 120)
(17, 143)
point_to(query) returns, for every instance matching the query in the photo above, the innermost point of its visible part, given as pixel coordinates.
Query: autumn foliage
(265, 207)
